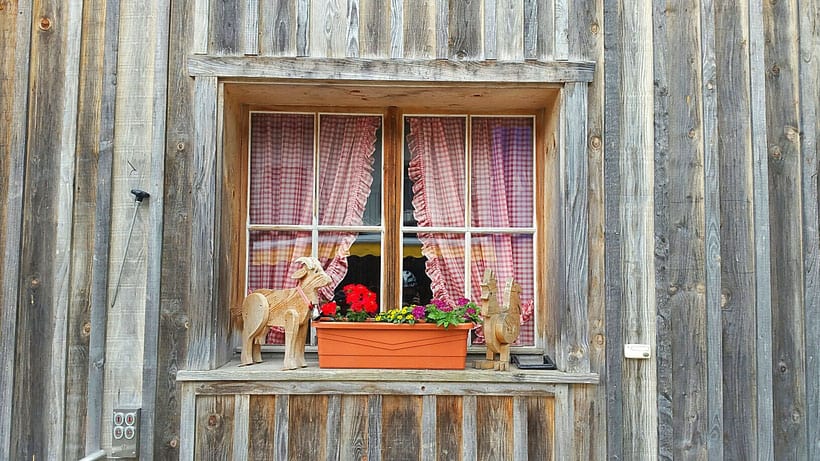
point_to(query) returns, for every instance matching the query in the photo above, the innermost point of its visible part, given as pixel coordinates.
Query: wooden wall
(702, 182)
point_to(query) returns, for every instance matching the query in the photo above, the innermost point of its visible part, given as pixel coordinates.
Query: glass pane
(281, 169)
(271, 256)
(415, 282)
(363, 266)
(507, 255)
(502, 172)
(434, 171)
(349, 170)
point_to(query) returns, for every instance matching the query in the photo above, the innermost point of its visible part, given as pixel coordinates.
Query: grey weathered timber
(737, 233)
(613, 74)
(636, 228)
(200, 21)
(354, 432)
(442, 29)
(277, 28)
(530, 29)
(202, 332)
(302, 27)
(712, 224)
(780, 25)
(545, 47)
(809, 55)
(261, 426)
(490, 24)
(281, 429)
(419, 34)
(465, 38)
(241, 428)
(187, 422)
(154, 238)
(573, 352)
(391, 70)
(216, 416)
(519, 428)
(763, 277)
(374, 426)
(680, 226)
(396, 28)
(468, 428)
(374, 29)
(334, 414)
(510, 30)
(14, 93)
(226, 34)
(352, 29)
(328, 28)
(561, 22)
(250, 29)
(429, 444)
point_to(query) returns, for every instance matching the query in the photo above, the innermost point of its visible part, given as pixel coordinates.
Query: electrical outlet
(125, 433)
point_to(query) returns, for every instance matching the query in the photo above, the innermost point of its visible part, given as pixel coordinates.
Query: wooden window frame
(223, 86)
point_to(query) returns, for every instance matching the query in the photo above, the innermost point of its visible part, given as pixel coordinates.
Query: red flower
(329, 309)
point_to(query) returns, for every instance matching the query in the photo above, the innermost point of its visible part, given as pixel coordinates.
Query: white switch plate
(636, 351)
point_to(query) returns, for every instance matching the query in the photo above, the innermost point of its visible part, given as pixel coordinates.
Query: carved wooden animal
(288, 308)
(502, 324)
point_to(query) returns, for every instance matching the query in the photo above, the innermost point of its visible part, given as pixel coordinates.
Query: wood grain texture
(328, 28)
(15, 31)
(780, 22)
(281, 430)
(680, 231)
(540, 427)
(353, 20)
(531, 29)
(449, 429)
(374, 28)
(241, 427)
(396, 28)
(442, 29)
(427, 428)
(401, 427)
(174, 291)
(737, 234)
(465, 38)
(200, 21)
(545, 48)
(187, 422)
(764, 390)
(561, 15)
(277, 28)
(419, 35)
(215, 419)
(494, 436)
(226, 28)
(250, 28)
(809, 55)
(302, 27)
(262, 427)
(354, 428)
(510, 30)
(307, 424)
(469, 431)
(490, 32)
(391, 70)
(333, 427)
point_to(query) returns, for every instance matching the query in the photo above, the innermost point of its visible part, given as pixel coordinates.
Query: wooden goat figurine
(288, 308)
(502, 324)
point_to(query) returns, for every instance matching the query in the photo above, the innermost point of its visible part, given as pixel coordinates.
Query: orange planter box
(387, 345)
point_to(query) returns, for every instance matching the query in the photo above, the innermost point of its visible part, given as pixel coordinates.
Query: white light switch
(636, 351)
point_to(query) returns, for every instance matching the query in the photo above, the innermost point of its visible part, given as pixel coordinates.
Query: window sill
(268, 377)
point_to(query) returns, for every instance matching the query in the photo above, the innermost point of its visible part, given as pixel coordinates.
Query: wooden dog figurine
(288, 308)
(502, 324)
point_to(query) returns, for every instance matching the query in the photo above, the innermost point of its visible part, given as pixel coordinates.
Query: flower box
(387, 345)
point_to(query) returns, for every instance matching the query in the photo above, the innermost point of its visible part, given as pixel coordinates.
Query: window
(456, 190)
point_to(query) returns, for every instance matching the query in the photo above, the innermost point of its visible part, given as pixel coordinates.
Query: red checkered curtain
(281, 192)
(501, 195)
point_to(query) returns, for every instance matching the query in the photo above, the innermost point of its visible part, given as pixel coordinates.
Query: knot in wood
(776, 153)
(213, 420)
(595, 142)
(692, 133)
(35, 282)
(86, 331)
(775, 70)
(45, 23)
(174, 442)
(594, 28)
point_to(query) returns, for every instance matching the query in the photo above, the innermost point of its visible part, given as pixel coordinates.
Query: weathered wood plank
(737, 236)
(419, 29)
(176, 235)
(277, 25)
(302, 27)
(374, 427)
(250, 28)
(510, 30)
(241, 427)
(442, 29)
(374, 29)
(215, 418)
(333, 427)
(587, 41)
(15, 32)
(328, 28)
(396, 28)
(353, 29)
(680, 225)
(563, 440)
(490, 29)
(154, 247)
(561, 22)
(281, 430)
(573, 355)
(635, 227)
(354, 429)
(392, 70)
(465, 40)
(469, 430)
(519, 427)
(531, 29)
(427, 428)
(541, 428)
(262, 427)
(545, 45)
(200, 21)
(712, 225)
(785, 224)
(449, 432)
(202, 331)
(307, 421)
(809, 55)
(494, 436)
(401, 427)
(763, 278)
(187, 423)
(226, 29)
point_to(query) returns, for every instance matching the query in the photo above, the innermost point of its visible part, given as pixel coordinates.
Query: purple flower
(419, 312)
(470, 311)
(441, 304)
(462, 301)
